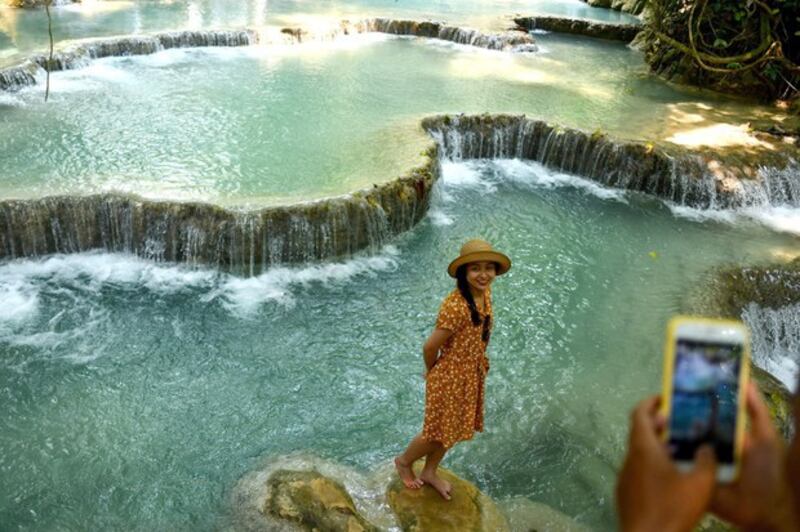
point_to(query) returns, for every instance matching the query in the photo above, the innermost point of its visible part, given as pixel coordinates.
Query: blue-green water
(135, 395)
(266, 125)
(26, 30)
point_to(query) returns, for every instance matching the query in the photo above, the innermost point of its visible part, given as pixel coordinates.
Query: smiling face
(480, 275)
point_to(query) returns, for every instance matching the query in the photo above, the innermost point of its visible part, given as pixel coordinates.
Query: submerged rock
(525, 515)
(314, 501)
(615, 32)
(424, 509)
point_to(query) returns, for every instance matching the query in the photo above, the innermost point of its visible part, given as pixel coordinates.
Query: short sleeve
(451, 315)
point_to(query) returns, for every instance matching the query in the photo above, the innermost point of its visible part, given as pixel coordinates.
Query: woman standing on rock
(456, 365)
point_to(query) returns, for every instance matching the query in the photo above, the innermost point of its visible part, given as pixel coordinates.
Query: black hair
(466, 293)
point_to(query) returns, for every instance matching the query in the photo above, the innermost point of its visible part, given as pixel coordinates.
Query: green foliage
(746, 46)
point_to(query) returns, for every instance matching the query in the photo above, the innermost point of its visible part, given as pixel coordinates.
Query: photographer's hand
(759, 498)
(651, 493)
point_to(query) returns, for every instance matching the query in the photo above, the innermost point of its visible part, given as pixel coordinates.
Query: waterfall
(243, 242)
(514, 41)
(682, 178)
(599, 30)
(776, 340)
(79, 55)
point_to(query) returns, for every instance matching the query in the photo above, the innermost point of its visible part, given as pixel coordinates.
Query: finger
(705, 469)
(643, 421)
(660, 423)
(761, 425)
(705, 459)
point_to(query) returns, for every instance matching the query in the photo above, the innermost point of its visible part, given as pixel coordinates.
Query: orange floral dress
(455, 384)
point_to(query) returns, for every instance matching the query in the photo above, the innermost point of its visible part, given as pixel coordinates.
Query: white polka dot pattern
(455, 386)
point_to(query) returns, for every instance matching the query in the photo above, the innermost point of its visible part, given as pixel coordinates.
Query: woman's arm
(430, 350)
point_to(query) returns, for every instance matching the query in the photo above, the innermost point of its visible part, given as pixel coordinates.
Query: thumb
(705, 464)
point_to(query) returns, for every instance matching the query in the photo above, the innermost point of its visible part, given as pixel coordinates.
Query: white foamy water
(20, 303)
(84, 275)
(488, 175)
(244, 296)
(776, 340)
(778, 218)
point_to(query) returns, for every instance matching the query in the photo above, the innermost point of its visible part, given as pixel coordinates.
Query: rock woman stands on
(456, 365)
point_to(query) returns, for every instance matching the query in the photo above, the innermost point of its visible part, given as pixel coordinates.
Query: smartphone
(706, 367)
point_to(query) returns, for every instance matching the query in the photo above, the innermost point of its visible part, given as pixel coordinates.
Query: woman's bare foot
(407, 474)
(439, 484)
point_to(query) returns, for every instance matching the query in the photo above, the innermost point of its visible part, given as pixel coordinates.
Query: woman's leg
(429, 476)
(416, 450)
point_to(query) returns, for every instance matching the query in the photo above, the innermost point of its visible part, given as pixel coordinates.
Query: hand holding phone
(760, 498)
(706, 367)
(651, 493)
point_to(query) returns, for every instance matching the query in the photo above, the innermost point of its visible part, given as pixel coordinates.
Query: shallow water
(265, 125)
(135, 394)
(26, 30)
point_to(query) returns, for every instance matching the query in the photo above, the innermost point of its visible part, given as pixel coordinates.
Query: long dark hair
(466, 293)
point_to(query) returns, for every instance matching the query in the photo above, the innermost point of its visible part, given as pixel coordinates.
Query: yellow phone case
(744, 375)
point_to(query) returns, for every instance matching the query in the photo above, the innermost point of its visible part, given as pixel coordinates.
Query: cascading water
(776, 340)
(80, 55)
(682, 178)
(243, 242)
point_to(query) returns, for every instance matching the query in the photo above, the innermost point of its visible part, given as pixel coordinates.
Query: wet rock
(37, 3)
(778, 399)
(696, 178)
(514, 41)
(80, 54)
(765, 297)
(711, 523)
(314, 501)
(634, 7)
(772, 286)
(615, 32)
(424, 509)
(244, 242)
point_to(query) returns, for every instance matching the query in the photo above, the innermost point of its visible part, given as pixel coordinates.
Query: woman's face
(481, 274)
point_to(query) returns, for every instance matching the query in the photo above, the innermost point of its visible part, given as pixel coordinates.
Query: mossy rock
(314, 501)
(711, 523)
(778, 400)
(729, 290)
(424, 509)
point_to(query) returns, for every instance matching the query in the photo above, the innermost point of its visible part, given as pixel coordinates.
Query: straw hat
(479, 250)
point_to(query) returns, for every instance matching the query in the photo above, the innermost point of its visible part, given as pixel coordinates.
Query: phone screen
(705, 388)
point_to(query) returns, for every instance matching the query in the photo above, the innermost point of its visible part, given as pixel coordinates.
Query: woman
(456, 365)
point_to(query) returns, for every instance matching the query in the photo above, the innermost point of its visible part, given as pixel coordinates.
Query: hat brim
(503, 262)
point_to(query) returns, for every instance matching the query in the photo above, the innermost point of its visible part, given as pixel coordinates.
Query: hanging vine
(738, 43)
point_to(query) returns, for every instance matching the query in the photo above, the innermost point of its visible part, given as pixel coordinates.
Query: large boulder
(424, 509)
(314, 501)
